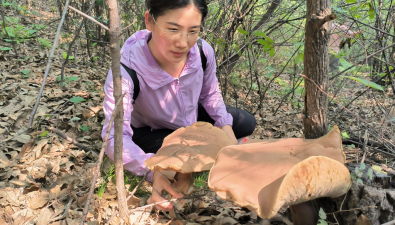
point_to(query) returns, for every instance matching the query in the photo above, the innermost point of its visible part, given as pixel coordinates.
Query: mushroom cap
(190, 149)
(264, 176)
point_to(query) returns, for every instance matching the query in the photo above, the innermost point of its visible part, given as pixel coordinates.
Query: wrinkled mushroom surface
(264, 176)
(190, 149)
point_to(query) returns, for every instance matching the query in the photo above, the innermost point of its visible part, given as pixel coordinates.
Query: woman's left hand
(229, 131)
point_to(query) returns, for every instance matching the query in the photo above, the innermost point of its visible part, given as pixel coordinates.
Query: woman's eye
(173, 30)
(194, 32)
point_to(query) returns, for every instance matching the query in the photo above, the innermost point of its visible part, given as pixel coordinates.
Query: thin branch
(348, 210)
(114, 32)
(131, 194)
(170, 200)
(76, 33)
(48, 65)
(69, 139)
(89, 18)
(65, 212)
(138, 185)
(365, 142)
(375, 53)
(97, 169)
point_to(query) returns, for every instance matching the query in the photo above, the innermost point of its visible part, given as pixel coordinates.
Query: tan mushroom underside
(264, 176)
(190, 149)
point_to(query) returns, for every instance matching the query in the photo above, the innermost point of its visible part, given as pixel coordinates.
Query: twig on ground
(345, 196)
(88, 17)
(48, 65)
(348, 210)
(97, 168)
(131, 194)
(365, 142)
(114, 212)
(69, 139)
(65, 212)
(138, 185)
(170, 200)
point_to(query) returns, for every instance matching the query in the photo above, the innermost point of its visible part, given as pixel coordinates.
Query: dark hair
(159, 7)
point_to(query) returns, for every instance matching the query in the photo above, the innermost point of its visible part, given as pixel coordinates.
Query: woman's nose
(182, 42)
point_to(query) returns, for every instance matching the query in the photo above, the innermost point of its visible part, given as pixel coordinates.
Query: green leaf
(74, 119)
(242, 31)
(322, 214)
(272, 51)
(370, 173)
(5, 48)
(31, 31)
(94, 44)
(269, 40)
(263, 42)
(77, 99)
(268, 75)
(84, 128)
(366, 82)
(72, 78)
(350, 1)
(99, 2)
(25, 71)
(345, 64)
(322, 222)
(345, 135)
(65, 56)
(260, 33)
(44, 134)
(362, 166)
(359, 181)
(353, 176)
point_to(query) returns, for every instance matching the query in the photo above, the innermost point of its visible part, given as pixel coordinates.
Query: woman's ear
(148, 21)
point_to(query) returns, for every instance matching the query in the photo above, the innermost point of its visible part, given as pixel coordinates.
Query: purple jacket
(163, 101)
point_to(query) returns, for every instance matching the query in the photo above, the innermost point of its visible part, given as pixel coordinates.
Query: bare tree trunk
(117, 80)
(316, 66)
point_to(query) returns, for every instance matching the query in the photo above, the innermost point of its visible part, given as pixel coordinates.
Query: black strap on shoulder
(135, 80)
(202, 55)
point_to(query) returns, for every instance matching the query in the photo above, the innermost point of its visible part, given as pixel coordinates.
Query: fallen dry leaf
(37, 202)
(362, 220)
(44, 217)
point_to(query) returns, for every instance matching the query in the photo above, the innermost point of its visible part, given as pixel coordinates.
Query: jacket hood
(136, 55)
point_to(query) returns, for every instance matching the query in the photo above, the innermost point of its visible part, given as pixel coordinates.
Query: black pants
(150, 141)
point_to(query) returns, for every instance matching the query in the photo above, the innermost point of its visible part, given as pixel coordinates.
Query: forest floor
(45, 179)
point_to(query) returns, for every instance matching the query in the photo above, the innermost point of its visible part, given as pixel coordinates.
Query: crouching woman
(174, 88)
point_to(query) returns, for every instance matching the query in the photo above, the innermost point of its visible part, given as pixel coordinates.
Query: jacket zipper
(182, 101)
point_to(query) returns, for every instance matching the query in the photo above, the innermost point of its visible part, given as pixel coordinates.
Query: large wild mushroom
(187, 150)
(264, 176)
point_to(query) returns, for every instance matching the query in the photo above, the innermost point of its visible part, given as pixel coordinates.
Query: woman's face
(185, 20)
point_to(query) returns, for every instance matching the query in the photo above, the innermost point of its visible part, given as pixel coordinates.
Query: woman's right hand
(162, 183)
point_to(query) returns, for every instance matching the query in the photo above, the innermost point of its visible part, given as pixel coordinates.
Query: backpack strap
(135, 80)
(202, 55)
